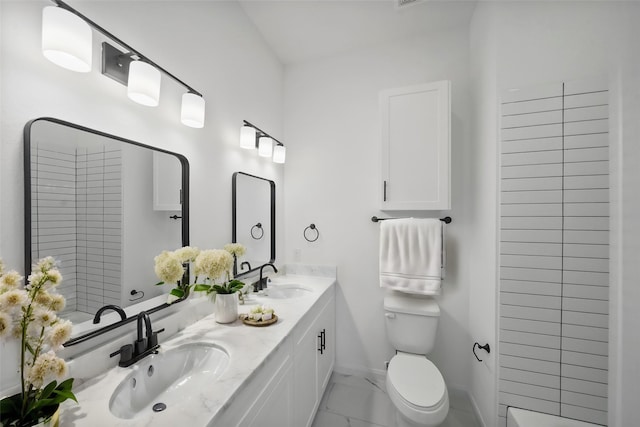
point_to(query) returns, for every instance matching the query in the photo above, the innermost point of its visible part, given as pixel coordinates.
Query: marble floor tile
(354, 401)
(329, 419)
(368, 404)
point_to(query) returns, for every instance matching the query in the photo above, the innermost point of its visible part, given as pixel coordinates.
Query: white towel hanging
(411, 255)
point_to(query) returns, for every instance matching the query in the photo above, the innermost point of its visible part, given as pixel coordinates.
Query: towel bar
(446, 219)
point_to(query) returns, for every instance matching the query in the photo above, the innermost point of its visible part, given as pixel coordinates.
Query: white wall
(333, 181)
(625, 344)
(210, 45)
(482, 174)
(526, 43)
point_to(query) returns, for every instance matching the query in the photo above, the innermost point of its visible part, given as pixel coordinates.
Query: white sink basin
(167, 379)
(285, 291)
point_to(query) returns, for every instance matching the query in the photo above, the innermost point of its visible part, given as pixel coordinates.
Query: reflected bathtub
(522, 418)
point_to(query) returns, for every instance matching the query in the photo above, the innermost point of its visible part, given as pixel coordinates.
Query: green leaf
(221, 289)
(48, 389)
(42, 403)
(159, 283)
(66, 384)
(177, 292)
(236, 282)
(201, 288)
(237, 286)
(62, 395)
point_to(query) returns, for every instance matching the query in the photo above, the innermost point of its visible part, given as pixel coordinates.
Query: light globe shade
(265, 146)
(247, 137)
(66, 39)
(143, 86)
(279, 154)
(192, 113)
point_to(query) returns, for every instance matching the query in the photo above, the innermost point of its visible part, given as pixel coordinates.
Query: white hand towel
(411, 255)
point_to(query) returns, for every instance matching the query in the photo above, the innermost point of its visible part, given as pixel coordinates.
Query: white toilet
(414, 384)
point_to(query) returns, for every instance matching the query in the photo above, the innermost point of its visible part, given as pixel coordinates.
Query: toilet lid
(416, 379)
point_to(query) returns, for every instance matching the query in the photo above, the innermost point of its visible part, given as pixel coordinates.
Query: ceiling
(303, 30)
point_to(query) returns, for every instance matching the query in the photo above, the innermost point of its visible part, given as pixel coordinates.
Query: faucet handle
(153, 339)
(125, 352)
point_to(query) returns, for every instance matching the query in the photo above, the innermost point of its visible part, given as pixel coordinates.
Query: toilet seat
(417, 389)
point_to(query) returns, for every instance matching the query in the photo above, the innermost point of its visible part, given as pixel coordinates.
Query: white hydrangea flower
(187, 253)
(213, 263)
(168, 267)
(236, 249)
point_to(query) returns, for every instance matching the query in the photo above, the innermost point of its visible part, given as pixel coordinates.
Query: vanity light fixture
(248, 137)
(66, 41)
(252, 137)
(192, 112)
(143, 84)
(265, 146)
(279, 153)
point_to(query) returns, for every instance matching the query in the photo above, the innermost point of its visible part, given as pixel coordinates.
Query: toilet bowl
(417, 390)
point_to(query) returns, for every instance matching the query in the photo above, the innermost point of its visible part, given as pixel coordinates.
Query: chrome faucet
(262, 282)
(115, 308)
(143, 346)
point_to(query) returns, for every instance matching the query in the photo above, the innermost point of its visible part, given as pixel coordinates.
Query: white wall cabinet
(314, 356)
(416, 141)
(167, 182)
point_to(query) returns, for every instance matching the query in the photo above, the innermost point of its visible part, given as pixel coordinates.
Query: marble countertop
(248, 347)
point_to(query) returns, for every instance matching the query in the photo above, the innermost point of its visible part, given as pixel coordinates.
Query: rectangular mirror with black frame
(254, 220)
(104, 207)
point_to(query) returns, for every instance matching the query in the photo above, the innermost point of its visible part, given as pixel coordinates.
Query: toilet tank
(412, 321)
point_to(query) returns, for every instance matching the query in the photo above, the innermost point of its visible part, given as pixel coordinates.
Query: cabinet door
(167, 182)
(305, 380)
(327, 324)
(415, 125)
(276, 404)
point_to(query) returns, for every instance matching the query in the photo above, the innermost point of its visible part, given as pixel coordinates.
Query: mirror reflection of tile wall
(77, 219)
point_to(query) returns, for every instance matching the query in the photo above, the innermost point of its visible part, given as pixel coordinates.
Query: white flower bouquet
(212, 267)
(29, 314)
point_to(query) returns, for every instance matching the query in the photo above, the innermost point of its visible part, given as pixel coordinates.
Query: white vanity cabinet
(267, 398)
(273, 407)
(313, 359)
(286, 389)
(415, 124)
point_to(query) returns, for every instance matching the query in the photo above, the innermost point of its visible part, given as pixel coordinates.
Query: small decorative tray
(245, 319)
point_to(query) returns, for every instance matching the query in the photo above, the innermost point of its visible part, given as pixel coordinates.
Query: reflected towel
(411, 255)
